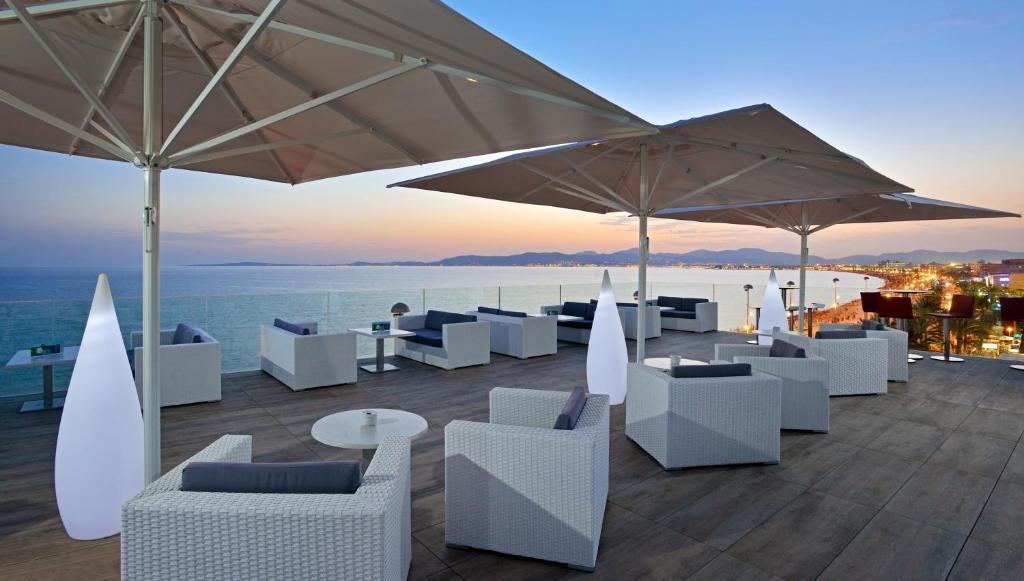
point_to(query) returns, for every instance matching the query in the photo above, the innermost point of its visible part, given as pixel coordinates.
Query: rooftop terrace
(925, 482)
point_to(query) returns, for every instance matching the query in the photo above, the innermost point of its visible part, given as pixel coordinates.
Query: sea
(51, 305)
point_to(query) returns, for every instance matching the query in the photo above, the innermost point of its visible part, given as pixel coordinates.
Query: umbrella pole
(641, 296)
(803, 270)
(152, 133)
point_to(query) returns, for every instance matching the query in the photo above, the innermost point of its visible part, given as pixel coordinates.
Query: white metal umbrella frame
(102, 129)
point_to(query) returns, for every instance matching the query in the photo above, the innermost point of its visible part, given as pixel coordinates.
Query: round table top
(904, 291)
(346, 429)
(665, 362)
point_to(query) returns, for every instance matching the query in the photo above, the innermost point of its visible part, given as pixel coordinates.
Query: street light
(747, 288)
(835, 292)
(866, 278)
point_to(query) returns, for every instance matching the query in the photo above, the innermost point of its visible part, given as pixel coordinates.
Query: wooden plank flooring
(925, 482)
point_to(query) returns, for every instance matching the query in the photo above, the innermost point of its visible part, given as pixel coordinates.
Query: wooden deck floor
(926, 482)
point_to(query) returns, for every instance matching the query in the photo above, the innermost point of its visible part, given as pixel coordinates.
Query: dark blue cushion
(717, 370)
(183, 334)
(431, 337)
(197, 338)
(782, 348)
(453, 318)
(679, 314)
(279, 478)
(673, 302)
(292, 327)
(689, 304)
(519, 314)
(572, 409)
(584, 324)
(841, 335)
(625, 304)
(574, 309)
(869, 325)
(489, 310)
(435, 320)
(591, 309)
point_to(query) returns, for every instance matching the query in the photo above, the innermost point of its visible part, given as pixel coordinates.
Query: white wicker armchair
(189, 372)
(706, 421)
(855, 366)
(804, 383)
(899, 369)
(518, 486)
(170, 534)
(308, 361)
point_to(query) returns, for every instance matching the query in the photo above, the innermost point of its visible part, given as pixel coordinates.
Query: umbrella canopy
(746, 155)
(282, 90)
(805, 217)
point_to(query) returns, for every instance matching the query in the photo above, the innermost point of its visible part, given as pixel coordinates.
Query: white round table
(666, 363)
(346, 430)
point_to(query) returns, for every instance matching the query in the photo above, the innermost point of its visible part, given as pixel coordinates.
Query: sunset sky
(929, 93)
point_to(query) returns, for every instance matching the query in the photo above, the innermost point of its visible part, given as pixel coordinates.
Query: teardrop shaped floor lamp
(98, 463)
(773, 312)
(606, 349)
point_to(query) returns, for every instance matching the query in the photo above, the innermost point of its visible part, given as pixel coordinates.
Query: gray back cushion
(488, 310)
(572, 409)
(841, 335)
(435, 320)
(716, 370)
(782, 348)
(869, 325)
(572, 309)
(690, 304)
(184, 334)
(277, 478)
(519, 314)
(292, 327)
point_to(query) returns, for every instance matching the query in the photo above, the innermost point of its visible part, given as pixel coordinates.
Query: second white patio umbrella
(806, 217)
(742, 156)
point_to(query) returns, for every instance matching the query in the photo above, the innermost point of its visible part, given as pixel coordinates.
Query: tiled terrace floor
(925, 482)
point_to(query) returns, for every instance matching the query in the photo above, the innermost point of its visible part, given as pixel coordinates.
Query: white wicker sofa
(308, 361)
(687, 314)
(518, 335)
(579, 331)
(448, 345)
(516, 485)
(189, 369)
(855, 366)
(684, 422)
(804, 383)
(899, 369)
(167, 533)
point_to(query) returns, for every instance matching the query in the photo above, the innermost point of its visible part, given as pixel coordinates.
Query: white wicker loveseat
(704, 421)
(308, 361)
(167, 533)
(443, 344)
(855, 366)
(516, 485)
(899, 369)
(189, 368)
(804, 383)
(519, 335)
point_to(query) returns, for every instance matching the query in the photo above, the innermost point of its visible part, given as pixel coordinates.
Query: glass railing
(234, 320)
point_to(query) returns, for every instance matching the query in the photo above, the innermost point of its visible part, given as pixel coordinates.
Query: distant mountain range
(738, 257)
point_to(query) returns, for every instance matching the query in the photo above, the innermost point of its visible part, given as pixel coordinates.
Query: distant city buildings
(1006, 274)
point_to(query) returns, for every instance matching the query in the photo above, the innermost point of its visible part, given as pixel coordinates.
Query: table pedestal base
(372, 368)
(40, 405)
(949, 359)
(1017, 367)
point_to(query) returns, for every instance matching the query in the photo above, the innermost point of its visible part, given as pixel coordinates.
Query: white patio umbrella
(288, 91)
(753, 154)
(806, 217)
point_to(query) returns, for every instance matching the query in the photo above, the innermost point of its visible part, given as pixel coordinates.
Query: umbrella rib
(43, 39)
(304, 86)
(577, 168)
(567, 172)
(595, 197)
(460, 105)
(115, 65)
(599, 202)
(714, 185)
(52, 8)
(261, 22)
(295, 110)
(266, 146)
(445, 69)
(65, 126)
(854, 216)
(661, 169)
(226, 87)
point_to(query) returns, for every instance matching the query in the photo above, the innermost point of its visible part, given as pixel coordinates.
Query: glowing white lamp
(98, 464)
(773, 312)
(606, 351)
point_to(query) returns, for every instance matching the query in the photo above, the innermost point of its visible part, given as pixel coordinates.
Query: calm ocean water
(47, 305)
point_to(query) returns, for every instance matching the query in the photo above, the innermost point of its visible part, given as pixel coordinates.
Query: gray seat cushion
(584, 324)
(431, 337)
(572, 409)
(841, 335)
(782, 348)
(293, 327)
(679, 314)
(276, 478)
(519, 314)
(716, 370)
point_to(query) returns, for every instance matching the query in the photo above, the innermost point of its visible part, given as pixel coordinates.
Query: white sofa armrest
(467, 343)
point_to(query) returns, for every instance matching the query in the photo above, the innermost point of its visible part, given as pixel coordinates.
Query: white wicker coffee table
(346, 430)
